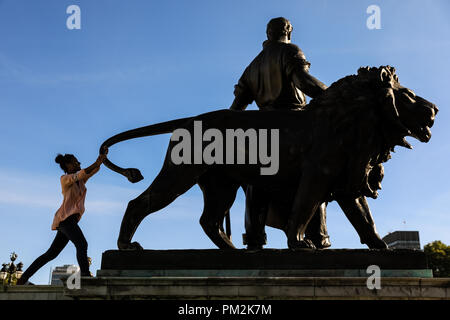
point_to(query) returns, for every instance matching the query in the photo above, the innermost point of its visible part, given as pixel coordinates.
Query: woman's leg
(55, 249)
(73, 232)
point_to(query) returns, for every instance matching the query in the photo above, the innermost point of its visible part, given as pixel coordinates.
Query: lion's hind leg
(218, 195)
(170, 183)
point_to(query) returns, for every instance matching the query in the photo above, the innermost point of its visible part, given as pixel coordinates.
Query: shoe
(301, 244)
(321, 243)
(254, 242)
(89, 275)
(253, 247)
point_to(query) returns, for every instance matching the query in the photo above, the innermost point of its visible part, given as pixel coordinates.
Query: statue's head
(279, 29)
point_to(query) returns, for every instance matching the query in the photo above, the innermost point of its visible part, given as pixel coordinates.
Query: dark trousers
(257, 206)
(67, 230)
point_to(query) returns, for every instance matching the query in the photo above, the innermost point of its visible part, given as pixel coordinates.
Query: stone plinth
(263, 288)
(240, 274)
(232, 288)
(263, 263)
(38, 292)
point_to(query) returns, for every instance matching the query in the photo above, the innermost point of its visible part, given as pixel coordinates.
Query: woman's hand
(93, 168)
(102, 156)
(100, 159)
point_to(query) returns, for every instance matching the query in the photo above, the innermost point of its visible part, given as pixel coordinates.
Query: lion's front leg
(309, 196)
(358, 212)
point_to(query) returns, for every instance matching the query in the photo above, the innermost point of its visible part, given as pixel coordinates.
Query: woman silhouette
(67, 217)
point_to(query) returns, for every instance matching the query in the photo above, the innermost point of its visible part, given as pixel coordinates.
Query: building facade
(403, 240)
(61, 272)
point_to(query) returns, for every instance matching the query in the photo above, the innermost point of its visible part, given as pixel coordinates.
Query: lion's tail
(132, 174)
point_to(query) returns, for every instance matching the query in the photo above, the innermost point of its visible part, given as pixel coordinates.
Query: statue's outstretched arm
(310, 85)
(238, 105)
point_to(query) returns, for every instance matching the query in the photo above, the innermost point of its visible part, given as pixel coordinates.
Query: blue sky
(135, 63)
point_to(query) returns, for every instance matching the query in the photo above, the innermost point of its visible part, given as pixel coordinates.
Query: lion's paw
(302, 244)
(129, 246)
(377, 244)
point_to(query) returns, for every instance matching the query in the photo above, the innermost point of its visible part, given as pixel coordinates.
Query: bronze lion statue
(331, 150)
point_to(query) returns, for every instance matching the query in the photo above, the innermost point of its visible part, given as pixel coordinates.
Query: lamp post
(10, 273)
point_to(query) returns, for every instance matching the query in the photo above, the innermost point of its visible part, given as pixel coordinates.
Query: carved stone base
(262, 288)
(264, 274)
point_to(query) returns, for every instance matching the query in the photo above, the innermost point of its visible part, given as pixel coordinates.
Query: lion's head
(370, 114)
(405, 113)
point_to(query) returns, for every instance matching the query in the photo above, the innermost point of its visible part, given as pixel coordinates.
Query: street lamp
(10, 273)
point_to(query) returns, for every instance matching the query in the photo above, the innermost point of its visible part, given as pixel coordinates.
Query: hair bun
(59, 159)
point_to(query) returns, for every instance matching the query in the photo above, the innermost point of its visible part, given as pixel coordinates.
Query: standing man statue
(277, 78)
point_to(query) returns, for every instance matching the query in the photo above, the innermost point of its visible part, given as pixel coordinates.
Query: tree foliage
(438, 255)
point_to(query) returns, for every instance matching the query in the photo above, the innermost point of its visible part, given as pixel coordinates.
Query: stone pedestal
(263, 263)
(264, 274)
(243, 275)
(258, 288)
